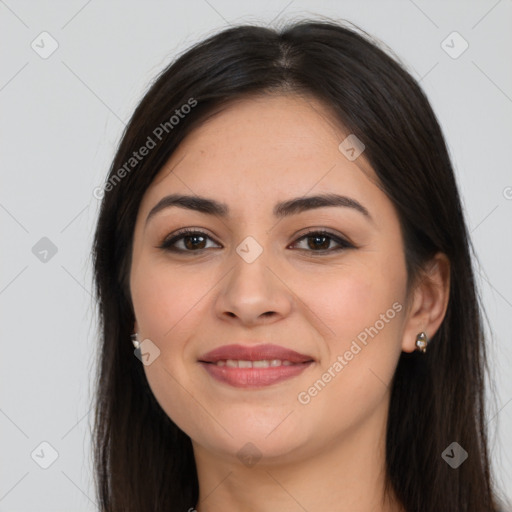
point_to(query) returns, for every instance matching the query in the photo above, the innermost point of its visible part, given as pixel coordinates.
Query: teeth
(260, 364)
(232, 363)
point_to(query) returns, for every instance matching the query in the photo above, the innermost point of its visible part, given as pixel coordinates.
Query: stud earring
(135, 340)
(422, 341)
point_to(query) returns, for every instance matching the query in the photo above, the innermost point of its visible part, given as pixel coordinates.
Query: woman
(281, 237)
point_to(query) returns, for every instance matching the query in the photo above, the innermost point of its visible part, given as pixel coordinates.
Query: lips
(254, 367)
(254, 353)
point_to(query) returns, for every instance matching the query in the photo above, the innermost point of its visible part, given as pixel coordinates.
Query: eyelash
(167, 244)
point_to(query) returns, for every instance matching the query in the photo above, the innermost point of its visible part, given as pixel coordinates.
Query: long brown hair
(143, 461)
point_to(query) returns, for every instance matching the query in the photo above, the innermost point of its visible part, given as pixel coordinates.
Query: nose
(254, 293)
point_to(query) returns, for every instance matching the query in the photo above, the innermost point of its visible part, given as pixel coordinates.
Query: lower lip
(254, 377)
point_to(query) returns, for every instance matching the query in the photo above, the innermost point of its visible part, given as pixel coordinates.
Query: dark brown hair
(143, 461)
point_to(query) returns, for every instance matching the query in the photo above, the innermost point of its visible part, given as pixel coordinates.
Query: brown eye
(320, 241)
(191, 241)
(196, 241)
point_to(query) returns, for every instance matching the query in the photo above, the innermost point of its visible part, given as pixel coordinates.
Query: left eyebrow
(283, 209)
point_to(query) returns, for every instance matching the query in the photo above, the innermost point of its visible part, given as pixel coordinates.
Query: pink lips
(254, 377)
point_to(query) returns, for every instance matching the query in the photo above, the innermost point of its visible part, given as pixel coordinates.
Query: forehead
(252, 143)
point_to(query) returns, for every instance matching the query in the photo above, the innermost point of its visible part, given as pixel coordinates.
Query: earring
(422, 341)
(135, 340)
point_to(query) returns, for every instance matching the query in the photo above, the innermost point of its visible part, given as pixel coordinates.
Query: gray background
(61, 118)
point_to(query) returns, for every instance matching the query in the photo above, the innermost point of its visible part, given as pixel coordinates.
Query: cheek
(347, 301)
(167, 303)
(166, 299)
(353, 380)
(361, 308)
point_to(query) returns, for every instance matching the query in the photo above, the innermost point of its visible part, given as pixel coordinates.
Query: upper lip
(254, 353)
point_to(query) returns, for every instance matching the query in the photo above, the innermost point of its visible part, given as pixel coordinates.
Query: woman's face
(251, 277)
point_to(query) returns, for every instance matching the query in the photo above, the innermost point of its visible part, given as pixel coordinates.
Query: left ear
(429, 302)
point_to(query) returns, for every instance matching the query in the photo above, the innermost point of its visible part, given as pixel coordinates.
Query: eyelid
(180, 234)
(343, 242)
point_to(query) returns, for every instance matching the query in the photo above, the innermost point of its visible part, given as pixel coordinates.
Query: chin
(249, 441)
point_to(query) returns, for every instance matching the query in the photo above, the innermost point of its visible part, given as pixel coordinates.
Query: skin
(327, 454)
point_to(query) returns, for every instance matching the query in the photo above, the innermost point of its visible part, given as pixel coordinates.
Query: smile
(254, 366)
